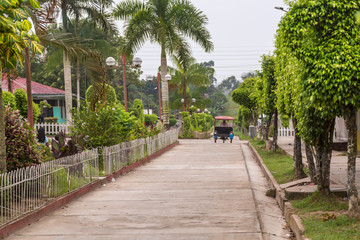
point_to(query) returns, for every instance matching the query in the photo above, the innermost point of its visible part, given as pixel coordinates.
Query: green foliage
(21, 146)
(229, 84)
(110, 97)
(139, 109)
(268, 96)
(63, 148)
(172, 121)
(150, 119)
(188, 133)
(194, 121)
(9, 99)
(51, 119)
(185, 114)
(21, 104)
(285, 120)
(106, 126)
(327, 57)
(192, 110)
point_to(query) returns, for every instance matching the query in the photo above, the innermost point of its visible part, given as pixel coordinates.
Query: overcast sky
(242, 30)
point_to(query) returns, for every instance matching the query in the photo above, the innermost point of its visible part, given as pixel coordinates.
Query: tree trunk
(78, 83)
(350, 121)
(2, 131)
(275, 134)
(298, 164)
(165, 88)
(311, 164)
(267, 128)
(68, 91)
(262, 127)
(184, 95)
(28, 88)
(323, 151)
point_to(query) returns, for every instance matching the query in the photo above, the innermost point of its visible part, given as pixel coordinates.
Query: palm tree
(188, 73)
(16, 34)
(167, 23)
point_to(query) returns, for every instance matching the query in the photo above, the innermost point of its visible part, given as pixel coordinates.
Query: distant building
(55, 97)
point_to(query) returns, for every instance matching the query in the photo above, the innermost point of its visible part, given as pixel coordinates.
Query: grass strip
(324, 217)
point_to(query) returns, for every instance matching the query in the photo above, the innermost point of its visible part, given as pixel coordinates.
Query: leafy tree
(9, 100)
(15, 35)
(21, 104)
(328, 50)
(165, 22)
(189, 73)
(229, 84)
(243, 96)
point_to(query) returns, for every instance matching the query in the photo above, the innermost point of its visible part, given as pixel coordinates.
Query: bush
(110, 98)
(184, 114)
(172, 122)
(106, 126)
(21, 104)
(192, 110)
(9, 99)
(21, 145)
(150, 119)
(139, 109)
(51, 119)
(188, 133)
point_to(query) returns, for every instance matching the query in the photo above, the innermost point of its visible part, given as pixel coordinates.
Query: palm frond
(126, 9)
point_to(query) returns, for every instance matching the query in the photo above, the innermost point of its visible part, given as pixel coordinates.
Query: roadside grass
(231, 108)
(279, 164)
(324, 217)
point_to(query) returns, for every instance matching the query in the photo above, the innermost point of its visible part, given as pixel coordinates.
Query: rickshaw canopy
(226, 118)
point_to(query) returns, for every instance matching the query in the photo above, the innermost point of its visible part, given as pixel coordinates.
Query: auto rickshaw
(223, 128)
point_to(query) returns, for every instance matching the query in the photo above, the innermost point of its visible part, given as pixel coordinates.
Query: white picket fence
(286, 132)
(53, 128)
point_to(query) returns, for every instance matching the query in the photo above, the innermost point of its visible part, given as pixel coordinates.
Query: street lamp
(280, 8)
(182, 100)
(193, 100)
(111, 62)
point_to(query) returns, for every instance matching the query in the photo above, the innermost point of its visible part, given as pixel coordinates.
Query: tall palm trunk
(78, 82)
(2, 131)
(165, 88)
(184, 95)
(68, 91)
(28, 88)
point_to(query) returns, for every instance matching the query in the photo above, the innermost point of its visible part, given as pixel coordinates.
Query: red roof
(224, 118)
(36, 88)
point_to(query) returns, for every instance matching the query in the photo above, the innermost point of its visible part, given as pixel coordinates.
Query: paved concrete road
(198, 190)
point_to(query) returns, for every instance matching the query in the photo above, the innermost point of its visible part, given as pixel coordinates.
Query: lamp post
(280, 9)
(111, 62)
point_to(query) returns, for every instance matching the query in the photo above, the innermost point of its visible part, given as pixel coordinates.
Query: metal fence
(124, 154)
(27, 189)
(53, 128)
(286, 132)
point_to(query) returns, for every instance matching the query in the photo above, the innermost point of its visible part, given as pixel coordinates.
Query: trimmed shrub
(192, 110)
(106, 126)
(139, 109)
(21, 145)
(172, 122)
(51, 119)
(110, 98)
(21, 104)
(9, 99)
(150, 119)
(188, 133)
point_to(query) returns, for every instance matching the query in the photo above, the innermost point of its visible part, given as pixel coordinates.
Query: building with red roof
(54, 96)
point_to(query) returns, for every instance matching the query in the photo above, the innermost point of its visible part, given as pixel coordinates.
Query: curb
(288, 210)
(35, 215)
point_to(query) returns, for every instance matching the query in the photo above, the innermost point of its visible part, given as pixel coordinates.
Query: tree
(229, 84)
(166, 22)
(188, 73)
(268, 94)
(15, 35)
(287, 73)
(327, 44)
(243, 96)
